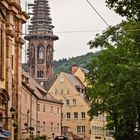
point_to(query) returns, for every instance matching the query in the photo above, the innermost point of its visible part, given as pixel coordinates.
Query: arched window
(40, 54)
(40, 74)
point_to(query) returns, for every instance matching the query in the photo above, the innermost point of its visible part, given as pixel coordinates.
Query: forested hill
(65, 64)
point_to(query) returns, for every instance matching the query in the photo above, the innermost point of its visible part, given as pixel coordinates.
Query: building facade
(69, 88)
(75, 121)
(41, 38)
(39, 111)
(11, 19)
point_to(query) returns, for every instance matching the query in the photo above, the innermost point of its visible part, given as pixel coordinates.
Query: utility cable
(97, 13)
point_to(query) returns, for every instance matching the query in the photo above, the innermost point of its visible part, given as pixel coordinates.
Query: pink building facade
(39, 111)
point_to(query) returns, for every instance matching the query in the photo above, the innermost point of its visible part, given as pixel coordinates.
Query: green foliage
(114, 80)
(44, 137)
(65, 65)
(127, 8)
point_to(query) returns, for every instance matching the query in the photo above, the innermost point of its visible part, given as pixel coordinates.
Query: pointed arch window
(40, 54)
(40, 74)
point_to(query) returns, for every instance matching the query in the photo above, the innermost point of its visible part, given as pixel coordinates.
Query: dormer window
(61, 79)
(78, 88)
(40, 54)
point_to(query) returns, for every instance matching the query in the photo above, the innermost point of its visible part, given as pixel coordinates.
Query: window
(43, 108)
(44, 126)
(40, 74)
(40, 54)
(61, 79)
(51, 127)
(83, 115)
(68, 115)
(81, 129)
(38, 125)
(61, 90)
(57, 128)
(38, 107)
(67, 102)
(74, 102)
(57, 110)
(78, 88)
(51, 109)
(96, 130)
(75, 115)
(1, 53)
(68, 91)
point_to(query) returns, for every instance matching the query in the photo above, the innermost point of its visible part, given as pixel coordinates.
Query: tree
(127, 8)
(114, 79)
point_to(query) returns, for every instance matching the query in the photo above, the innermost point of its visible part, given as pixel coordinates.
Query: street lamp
(13, 111)
(29, 129)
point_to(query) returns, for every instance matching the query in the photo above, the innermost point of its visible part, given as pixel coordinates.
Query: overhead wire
(97, 12)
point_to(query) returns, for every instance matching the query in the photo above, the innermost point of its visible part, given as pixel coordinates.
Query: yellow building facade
(75, 121)
(69, 88)
(11, 20)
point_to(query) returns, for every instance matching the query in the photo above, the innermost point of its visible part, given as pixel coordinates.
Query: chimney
(74, 68)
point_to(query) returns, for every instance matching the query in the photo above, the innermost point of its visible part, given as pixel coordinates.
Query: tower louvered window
(40, 74)
(40, 54)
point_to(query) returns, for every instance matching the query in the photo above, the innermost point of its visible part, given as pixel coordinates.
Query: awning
(6, 133)
(2, 136)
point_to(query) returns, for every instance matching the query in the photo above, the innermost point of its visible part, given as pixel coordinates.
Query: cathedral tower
(40, 51)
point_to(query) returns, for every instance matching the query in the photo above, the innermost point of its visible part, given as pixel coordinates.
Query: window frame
(68, 115)
(67, 102)
(44, 108)
(75, 115)
(38, 107)
(81, 129)
(74, 102)
(83, 114)
(40, 54)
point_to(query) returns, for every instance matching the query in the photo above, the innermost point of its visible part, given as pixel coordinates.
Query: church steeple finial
(41, 22)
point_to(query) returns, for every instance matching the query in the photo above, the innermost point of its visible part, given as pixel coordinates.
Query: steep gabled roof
(85, 71)
(39, 91)
(74, 81)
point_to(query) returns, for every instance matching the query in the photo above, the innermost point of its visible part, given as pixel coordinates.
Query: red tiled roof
(39, 91)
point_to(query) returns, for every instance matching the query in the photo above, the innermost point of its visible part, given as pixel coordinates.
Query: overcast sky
(76, 23)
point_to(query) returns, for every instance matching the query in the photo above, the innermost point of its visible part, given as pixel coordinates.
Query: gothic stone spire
(41, 22)
(40, 49)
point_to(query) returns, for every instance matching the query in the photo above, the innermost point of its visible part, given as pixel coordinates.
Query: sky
(76, 23)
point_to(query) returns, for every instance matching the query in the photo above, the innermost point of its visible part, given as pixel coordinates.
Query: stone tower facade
(40, 51)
